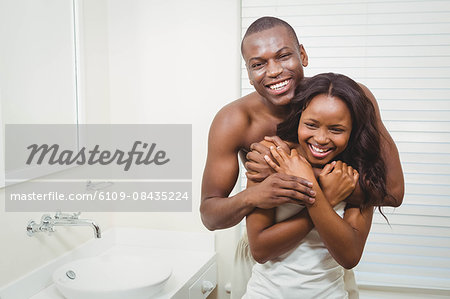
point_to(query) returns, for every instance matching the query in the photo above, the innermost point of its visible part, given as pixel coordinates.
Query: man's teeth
(319, 150)
(279, 85)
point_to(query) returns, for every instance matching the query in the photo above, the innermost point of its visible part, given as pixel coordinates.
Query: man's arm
(218, 211)
(395, 183)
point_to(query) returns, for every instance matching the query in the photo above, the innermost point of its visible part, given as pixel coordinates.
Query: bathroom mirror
(38, 73)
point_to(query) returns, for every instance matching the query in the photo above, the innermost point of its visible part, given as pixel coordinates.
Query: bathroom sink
(112, 276)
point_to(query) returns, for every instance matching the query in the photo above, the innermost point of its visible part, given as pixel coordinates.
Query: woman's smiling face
(324, 129)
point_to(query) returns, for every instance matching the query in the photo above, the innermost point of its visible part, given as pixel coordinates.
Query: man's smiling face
(274, 63)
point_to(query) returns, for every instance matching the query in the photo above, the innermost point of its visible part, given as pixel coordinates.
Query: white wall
(145, 62)
(170, 62)
(173, 62)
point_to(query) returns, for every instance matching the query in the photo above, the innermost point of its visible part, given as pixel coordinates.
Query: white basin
(112, 276)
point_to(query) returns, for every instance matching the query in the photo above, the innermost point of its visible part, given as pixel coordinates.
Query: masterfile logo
(98, 167)
(91, 157)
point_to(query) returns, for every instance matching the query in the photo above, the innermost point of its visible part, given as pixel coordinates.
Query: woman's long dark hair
(363, 150)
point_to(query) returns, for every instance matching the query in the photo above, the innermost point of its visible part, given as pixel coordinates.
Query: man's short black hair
(265, 23)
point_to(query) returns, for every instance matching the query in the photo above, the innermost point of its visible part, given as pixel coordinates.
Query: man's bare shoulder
(231, 125)
(372, 99)
(238, 114)
(368, 93)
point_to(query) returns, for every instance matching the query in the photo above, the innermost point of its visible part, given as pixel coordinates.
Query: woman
(331, 120)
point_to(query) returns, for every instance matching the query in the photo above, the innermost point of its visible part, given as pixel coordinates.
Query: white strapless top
(307, 271)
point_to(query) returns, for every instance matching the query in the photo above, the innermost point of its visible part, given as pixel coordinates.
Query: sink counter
(190, 255)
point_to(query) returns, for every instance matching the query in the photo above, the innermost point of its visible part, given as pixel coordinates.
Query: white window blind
(401, 51)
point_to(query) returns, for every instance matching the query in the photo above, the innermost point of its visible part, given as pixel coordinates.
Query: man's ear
(251, 82)
(303, 56)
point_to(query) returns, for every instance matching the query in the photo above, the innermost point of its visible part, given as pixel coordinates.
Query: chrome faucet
(48, 223)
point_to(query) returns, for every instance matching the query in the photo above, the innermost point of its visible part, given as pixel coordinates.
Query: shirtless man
(274, 60)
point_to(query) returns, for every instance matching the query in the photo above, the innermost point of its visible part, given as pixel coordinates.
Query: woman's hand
(290, 163)
(338, 180)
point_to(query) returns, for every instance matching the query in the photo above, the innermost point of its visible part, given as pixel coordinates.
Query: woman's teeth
(279, 85)
(319, 150)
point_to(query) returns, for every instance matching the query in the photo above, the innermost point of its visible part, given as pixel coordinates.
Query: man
(274, 60)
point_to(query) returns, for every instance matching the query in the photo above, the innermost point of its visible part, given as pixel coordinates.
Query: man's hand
(338, 180)
(257, 168)
(278, 189)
